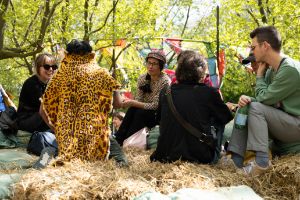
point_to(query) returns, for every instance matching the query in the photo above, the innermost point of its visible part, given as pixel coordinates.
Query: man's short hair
(268, 34)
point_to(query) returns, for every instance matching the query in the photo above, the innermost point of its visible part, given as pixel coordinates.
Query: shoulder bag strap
(201, 136)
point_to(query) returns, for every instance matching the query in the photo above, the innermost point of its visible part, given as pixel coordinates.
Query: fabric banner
(212, 68)
(174, 44)
(209, 50)
(107, 55)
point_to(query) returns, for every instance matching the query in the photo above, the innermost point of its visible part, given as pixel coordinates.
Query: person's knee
(256, 106)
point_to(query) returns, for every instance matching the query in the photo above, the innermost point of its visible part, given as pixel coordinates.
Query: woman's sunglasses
(47, 67)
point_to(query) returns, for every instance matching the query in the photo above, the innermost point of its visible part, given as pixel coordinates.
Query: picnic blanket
(222, 193)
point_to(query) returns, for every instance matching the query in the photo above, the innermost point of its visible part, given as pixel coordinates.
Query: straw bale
(104, 180)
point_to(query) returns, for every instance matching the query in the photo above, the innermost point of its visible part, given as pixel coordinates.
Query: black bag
(208, 138)
(8, 121)
(39, 140)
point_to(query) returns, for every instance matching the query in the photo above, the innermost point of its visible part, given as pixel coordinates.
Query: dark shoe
(46, 156)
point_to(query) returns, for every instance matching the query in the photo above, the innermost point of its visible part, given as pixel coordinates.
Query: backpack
(39, 140)
(8, 121)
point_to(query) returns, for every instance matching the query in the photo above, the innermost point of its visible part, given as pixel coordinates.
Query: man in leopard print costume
(77, 102)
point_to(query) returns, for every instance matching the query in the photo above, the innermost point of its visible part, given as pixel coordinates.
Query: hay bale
(104, 180)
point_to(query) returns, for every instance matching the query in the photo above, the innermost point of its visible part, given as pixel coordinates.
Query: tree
(29, 27)
(237, 19)
(21, 32)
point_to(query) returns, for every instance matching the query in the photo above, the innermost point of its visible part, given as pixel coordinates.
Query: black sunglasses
(47, 67)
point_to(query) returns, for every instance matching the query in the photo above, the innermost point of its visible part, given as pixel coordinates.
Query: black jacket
(29, 100)
(202, 107)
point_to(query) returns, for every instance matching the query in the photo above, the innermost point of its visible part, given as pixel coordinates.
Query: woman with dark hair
(77, 104)
(141, 112)
(198, 104)
(28, 117)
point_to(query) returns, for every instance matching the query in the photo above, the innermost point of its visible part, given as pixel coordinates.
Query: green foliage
(237, 81)
(12, 78)
(147, 20)
(237, 19)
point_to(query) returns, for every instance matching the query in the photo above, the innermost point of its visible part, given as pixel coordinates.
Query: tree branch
(15, 40)
(92, 15)
(4, 54)
(48, 13)
(106, 19)
(252, 16)
(269, 11)
(127, 46)
(24, 52)
(170, 10)
(110, 45)
(31, 24)
(186, 21)
(182, 32)
(86, 25)
(4, 7)
(65, 20)
(262, 12)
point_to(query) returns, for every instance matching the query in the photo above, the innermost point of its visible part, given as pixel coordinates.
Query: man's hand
(244, 100)
(262, 68)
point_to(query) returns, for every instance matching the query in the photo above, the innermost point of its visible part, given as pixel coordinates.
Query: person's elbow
(117, 104)
(117, 100)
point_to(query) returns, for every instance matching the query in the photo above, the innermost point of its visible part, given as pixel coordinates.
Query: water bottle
(2, 105)
(241, 117)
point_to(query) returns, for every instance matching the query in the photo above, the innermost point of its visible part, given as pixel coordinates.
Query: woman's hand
(127, 103)
(232, 106)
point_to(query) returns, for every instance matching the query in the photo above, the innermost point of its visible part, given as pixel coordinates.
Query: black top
(31, 92)
(199, 105)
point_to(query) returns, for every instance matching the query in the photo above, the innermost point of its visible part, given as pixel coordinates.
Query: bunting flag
(174, 44)
(213, 72)
(171, 74)
(107, 55)
(209, 50)
(143, 52)
(121, 42)
(222, 66)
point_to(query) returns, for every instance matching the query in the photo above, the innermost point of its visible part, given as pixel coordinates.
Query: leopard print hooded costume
(77, 102)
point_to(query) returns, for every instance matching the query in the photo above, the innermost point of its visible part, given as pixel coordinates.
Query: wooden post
(218, 41)
(114, 41)
(218, 35)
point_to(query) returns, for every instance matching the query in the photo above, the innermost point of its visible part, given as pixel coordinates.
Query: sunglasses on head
(47, 67)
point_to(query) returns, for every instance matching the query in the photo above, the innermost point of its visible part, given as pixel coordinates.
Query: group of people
(75, 101)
